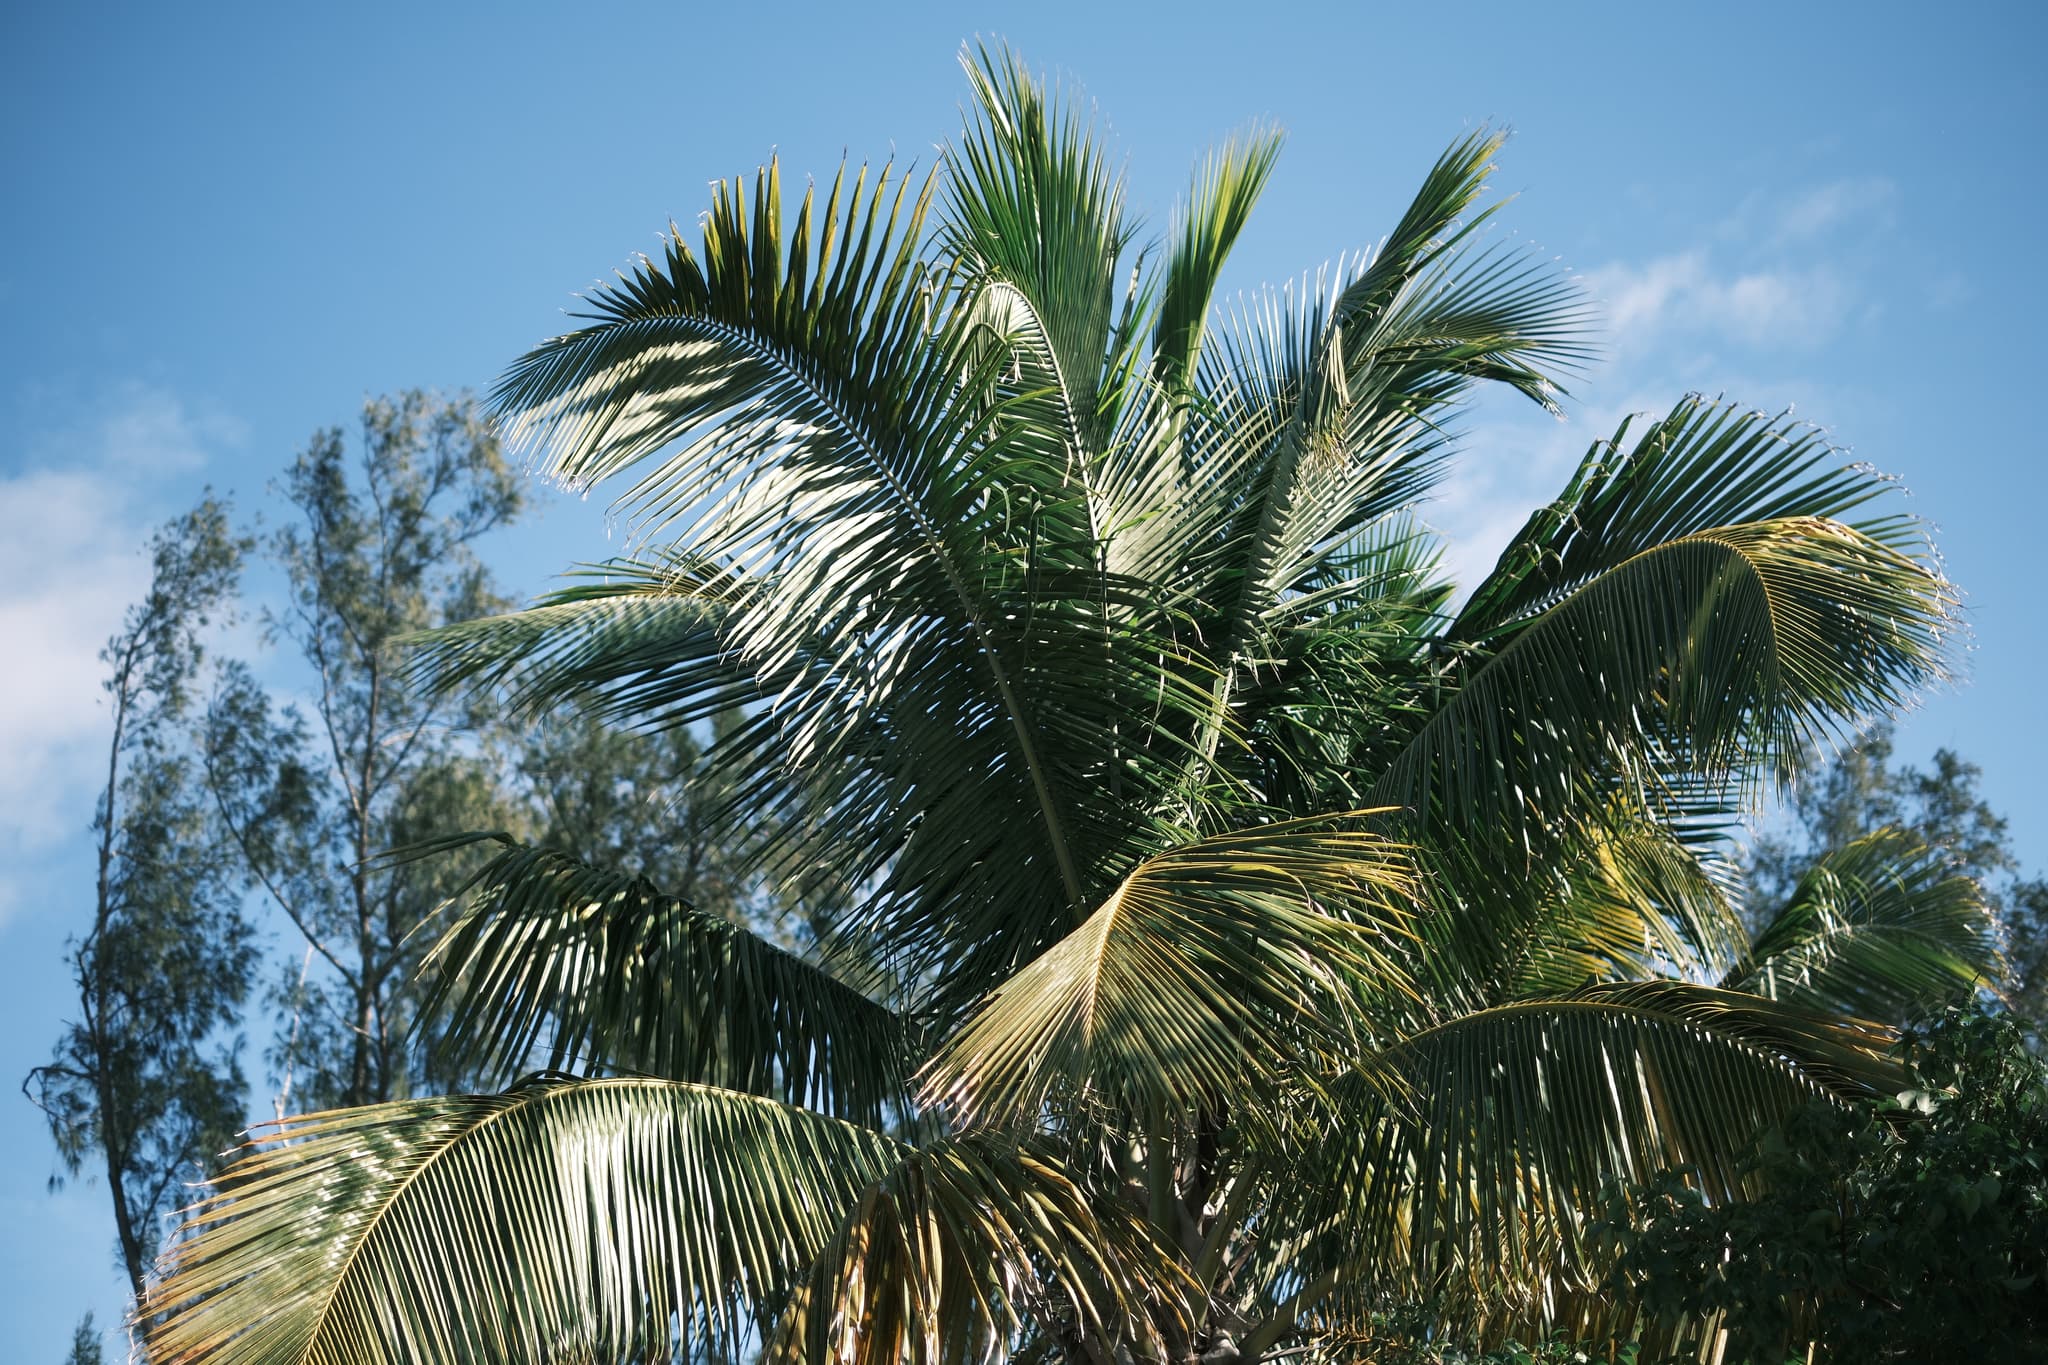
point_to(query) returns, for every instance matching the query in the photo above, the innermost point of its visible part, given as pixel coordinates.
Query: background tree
(1909, 1229)
(1856, 797)
(146, 1085)
(380, 545)
(85, 1344)
(2026, 950)
(1854, 792)
(650, 803)
(642, 803)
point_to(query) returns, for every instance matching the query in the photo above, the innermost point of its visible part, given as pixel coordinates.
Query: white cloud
(1793, 289)
(1866, 199)
(1678, 295)
(74, 526)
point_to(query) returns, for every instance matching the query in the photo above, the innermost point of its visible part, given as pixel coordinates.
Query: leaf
(1706, 658)
(1884, 927)
(564, 1219)
(1481, 1167)
(965, 1246)
(1226, 187)
(1211, 966)
(639, 639)
(610, 973)
(1632, 902)
(1032, 204)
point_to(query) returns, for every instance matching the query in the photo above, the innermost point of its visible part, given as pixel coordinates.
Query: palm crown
(1239, 932)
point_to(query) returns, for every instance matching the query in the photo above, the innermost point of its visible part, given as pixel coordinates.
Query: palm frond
(1702, 466)
(606, 972)
(1718, 654)
(1211, 965)
(1034, 208)
(918, 586)
(969, 1245)
(1329, 414)
(1632, 903)
(813, 345)
(638, 639)
(591, 1220)
(1483, 1168)
(1884, 927)
(1225, 189)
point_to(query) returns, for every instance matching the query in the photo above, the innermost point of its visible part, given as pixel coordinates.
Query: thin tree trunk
(92, 992)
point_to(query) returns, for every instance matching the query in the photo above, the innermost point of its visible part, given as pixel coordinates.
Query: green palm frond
(592, 1220)
(1482, 1166)
(1632, 902)
(1035, 209)
(1884, 927)
(970, 1244)
(1226, 188)
(1719, 653)
(638, 639)
(917, 583)
(1327, 411)
(1209, 966)
(726, 347)
(605, 971)
(1703, 466)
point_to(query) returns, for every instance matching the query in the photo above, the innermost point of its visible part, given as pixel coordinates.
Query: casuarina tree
(146, 1083)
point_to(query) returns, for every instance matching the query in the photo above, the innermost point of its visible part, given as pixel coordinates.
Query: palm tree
(1240, 932)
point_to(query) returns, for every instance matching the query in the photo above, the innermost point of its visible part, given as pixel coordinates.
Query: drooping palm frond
(1715, 653)
(1884, 927)
(911, 575)
(1209, 966)
(1703, 466)
(729, 347)
(606, 972)
(593, 1220)
(1477, 1175)
(971, 1244)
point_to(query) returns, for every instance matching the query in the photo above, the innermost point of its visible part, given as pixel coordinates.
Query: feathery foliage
(1261, 936)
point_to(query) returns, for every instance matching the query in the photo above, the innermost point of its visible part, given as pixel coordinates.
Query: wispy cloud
(1860, 201)
(1673, 296)
(74, 525)
(1722, 314)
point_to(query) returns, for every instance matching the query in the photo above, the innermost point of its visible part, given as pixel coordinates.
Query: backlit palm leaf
(1210, 966)
(593, 1220)
(1226, 188)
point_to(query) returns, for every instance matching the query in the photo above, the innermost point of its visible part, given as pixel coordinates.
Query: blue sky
(226, 225)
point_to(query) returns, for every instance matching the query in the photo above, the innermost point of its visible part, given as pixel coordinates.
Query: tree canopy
(1238, 929)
